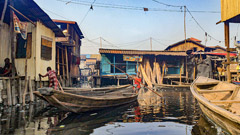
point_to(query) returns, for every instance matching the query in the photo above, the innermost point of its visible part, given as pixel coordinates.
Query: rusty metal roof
(73, 23)
(141, 52)
(187, 40)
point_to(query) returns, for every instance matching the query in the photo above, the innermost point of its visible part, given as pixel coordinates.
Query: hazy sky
(132, 28)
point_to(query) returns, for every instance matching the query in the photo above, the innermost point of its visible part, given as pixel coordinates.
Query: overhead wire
(127, 7)
(106, 5)
(165, 4)
(87, 11)
(201, 26)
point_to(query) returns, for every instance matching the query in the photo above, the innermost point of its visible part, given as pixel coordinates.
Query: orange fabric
(137, 82)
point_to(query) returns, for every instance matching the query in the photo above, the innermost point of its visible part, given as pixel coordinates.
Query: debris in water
(93, 114)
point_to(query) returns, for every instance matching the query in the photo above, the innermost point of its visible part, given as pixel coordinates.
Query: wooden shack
(68, 51)
(230, 13)
(159, 66)
(31, 51)
(190, 44)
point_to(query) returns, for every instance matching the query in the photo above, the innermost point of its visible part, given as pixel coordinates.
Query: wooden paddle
(135, 79)
(60, 86)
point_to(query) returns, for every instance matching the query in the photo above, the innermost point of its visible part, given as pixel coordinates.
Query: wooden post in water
(30, 89)
(226, 30)
(180, 76)
(25, 89)
(9, 95)
(20, 91)
(13, 90)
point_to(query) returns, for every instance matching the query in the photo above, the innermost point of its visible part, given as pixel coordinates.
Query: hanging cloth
(20, 27)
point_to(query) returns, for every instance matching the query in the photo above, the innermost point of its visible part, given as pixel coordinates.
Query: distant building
(68, 51)
(90, 64)
(195, 45)
(190, 44)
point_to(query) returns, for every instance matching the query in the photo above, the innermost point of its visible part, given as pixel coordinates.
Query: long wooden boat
(76, 101)
(96, 89)
(219, 101)
(172, 86)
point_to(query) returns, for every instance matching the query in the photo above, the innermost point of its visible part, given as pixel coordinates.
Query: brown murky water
(175, 114)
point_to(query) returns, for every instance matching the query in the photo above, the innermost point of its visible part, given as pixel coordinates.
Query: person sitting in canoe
(53, 82)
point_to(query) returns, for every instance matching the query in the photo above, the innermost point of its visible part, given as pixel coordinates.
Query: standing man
(53, 82)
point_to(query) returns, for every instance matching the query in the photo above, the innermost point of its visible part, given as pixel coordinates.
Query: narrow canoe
(83, 102)
(219, 101)
(96, 89)
(172, 86)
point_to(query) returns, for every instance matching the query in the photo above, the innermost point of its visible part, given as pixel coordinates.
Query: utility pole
(151, 43)
(100, 42)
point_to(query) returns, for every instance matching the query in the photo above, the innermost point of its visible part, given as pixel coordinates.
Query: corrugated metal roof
(141, 52)
(188, 40)
(74, 24)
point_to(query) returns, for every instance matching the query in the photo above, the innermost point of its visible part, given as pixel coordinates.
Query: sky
(130, 27)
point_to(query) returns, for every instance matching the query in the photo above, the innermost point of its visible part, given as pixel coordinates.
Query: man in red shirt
(53, 82)
(137, 82)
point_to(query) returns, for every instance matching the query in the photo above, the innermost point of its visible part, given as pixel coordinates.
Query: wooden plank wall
(229, 9)
(188, 46)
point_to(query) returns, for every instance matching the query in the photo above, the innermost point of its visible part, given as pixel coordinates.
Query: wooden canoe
(83, 102)
(172, 86)
(219, 101)
(96, 89)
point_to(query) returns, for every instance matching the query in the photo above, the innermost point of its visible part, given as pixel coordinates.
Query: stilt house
(68, 51)
(27, 38)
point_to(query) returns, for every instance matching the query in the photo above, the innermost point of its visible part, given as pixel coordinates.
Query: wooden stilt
(58, 62)
(20, 90)
(63, 64)
(9, 95)
(13, 91)
(25, 91)
(30, 89)
(226, 29)
(67, 70)
(180, 74)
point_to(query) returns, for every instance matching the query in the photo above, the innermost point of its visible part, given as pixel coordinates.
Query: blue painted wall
(107, 69)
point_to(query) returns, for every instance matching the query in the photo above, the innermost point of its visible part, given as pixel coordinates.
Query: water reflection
(176, 112)
(205, 127)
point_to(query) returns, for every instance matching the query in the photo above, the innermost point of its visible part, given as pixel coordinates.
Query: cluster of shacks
(33, 41)
(179, 63)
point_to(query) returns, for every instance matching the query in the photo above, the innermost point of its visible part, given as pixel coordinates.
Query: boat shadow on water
(85, 123)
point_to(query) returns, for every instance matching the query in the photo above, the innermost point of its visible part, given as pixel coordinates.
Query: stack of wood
(151, 74)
